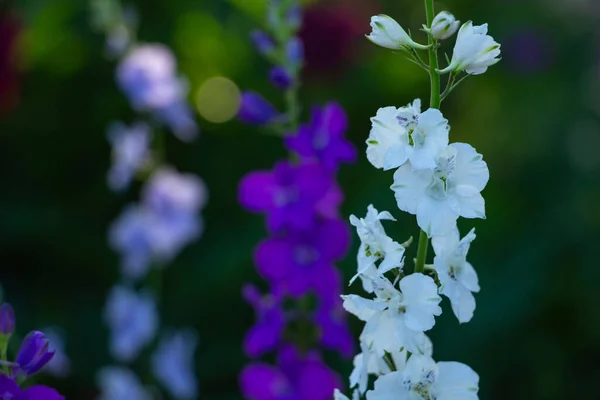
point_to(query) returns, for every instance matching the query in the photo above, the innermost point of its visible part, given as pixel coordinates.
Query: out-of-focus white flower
(120, 383)
(456, 274)
(439, 196)
(173, 364)
(474, 51)
(444, 25)
(388, 33)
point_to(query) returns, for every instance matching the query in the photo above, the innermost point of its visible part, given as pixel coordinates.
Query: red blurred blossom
(332, 33)
(10, 28)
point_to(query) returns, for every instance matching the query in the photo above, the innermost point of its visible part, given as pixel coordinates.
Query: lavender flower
(7, 319)
(60, 364)
(295, 52)
(120, 383)
(263, 43)
(34, 353)
(266, 334)
(130, 153)
(133, 321)
(173, 364)
(254, 109)
(280, 78)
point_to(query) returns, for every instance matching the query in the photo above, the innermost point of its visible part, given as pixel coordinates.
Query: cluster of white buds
(439, 182)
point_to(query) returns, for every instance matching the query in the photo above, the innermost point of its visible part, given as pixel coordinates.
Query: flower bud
(263, 43)
(280, 78)
(7, 319)
(255, 109)
(389, 34)
(444, 25)
(474, 50)
(34, 353)
(294, 50)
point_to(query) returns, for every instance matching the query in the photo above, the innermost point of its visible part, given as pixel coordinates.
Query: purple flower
(120, 383)
(263, 43)
(130, 152)
(294, 17)
(180, 119)
(256, 110)
(280, 78)
(34, 353)
(7, 319)
(9, 390)
(296, 377)
(266, 334)
(296, 261)
(323, 139)
(289, 194)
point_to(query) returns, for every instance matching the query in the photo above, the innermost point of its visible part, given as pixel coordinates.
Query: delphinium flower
(438, 182)
(149, 234)
(33, 355)
(301, 314)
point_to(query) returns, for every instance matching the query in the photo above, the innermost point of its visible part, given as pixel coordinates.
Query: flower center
(305, 255)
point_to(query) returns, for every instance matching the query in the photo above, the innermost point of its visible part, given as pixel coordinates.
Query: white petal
(363, 308)
(471, 202)
(455, 381)
(421, 301)
(438, 217)
(447, 243)
(410, 187)
(470, 169)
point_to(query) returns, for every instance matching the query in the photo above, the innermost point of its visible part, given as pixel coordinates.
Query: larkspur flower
(7, 319)
(120, 383)
(337, 395)
(423, 378)
(169, 192)
(388, 33)
(439, 196)
(323, 139)
(173, 364)
(256, 110)
(10, 390)
(406, 134)
(288, 195)
(474, 51)
(457, 276)
(60, 364)
(33, 354)
(280, 77)
(130, 148)
(266, 334)
(444, 25)
(263, 43)
(133, 321)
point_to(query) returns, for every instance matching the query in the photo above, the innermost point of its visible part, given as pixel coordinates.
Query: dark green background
(536, 328)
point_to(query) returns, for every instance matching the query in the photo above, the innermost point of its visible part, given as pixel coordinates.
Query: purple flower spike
(9, 390)
(255, 109)
(280, 78)
(323, 139)
(34, 353)
(263, 43)
(7, 319)
(266, 334)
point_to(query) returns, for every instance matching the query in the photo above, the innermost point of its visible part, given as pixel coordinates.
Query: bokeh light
(218, 99)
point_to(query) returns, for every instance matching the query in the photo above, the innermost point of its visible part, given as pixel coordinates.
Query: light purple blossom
(133, 322)
(120, 383)
(60, 364)
(130, 149)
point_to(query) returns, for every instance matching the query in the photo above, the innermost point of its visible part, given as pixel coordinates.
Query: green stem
(435, 101)
(421, 253)
(3, 353)
(291, 98)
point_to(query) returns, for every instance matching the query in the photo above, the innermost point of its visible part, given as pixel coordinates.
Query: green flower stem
(435, 101)
(3, 352)
(293, 107)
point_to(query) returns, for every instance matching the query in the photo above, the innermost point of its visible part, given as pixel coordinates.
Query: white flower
(396, 320)
(376, 244)
(388, 33)
(422, 378)
(120, 383)
(438, 197)
(444, 25)
(133, 321)
(457, 276)
(474, 51)
(399, 135)
(173, 364)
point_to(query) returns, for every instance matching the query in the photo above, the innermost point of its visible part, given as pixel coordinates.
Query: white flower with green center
(439, 196)
(388, 33)
(376, 245)
(397, 319)
(424, 379)
(406, 134)
(457, 276)
(474, 51)
(444, 25)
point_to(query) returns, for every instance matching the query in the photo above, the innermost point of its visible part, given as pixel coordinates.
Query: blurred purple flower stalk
(148, 235)
(438, 182)
(34, 354)
(302, 312)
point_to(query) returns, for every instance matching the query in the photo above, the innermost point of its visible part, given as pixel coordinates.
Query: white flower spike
(406, 134)
(457, 276)
(474, 51)
(389, 34)
(439, 196)
(444, 26)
